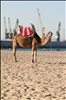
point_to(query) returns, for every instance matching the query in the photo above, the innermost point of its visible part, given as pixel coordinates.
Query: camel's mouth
(50, 34)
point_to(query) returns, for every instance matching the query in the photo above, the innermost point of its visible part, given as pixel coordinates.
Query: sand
(26, 81)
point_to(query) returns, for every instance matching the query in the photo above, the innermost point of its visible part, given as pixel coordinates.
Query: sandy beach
(44, 80)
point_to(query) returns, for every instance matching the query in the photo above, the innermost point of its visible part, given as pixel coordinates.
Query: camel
(30, 42)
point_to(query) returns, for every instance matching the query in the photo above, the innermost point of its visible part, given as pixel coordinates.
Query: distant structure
(16, 27)
(8, 35)
(58, 33)
(64, 35)
(41, 24)
(10, 30)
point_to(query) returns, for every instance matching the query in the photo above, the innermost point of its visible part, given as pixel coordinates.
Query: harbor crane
(41, 24)
(16, 27)
(58, 32)
(9, 25)
(10, 31)
(6, 34)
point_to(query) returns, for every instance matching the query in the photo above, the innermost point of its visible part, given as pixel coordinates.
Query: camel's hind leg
(34, 54)
(14, 49)
(14, 52)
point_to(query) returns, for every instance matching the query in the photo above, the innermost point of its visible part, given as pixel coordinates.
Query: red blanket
(25, 31)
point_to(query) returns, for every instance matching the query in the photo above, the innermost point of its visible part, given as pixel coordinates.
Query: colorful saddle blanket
(25, 31)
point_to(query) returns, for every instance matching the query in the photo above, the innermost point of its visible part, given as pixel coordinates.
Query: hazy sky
(52, 12)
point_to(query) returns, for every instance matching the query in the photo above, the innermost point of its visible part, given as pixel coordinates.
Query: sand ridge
(26, 81)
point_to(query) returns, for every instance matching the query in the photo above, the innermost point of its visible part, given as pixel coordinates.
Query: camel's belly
(25, 43)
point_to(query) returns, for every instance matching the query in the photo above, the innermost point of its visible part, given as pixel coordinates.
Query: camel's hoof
(16, 61)
(32, 61)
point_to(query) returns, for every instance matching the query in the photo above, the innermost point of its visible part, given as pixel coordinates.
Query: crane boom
(58, 32)
(10, 31)
(59, 27)
(5, 25)
(17, 24)
(6, 33)
(41, 24)
(16, 27)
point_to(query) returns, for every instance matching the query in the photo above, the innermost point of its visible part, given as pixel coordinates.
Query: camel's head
(50, 34)
(32, 27)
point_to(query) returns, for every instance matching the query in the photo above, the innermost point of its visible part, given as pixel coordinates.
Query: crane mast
(10, 31)
(59, 27)
(16, 27)
(58, 33)
(41, 24)
(5, 27)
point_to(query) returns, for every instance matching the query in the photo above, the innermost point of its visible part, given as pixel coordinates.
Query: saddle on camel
(25, 31)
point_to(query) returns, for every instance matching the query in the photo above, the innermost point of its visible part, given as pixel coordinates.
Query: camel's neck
(45, 40)
(42, 41)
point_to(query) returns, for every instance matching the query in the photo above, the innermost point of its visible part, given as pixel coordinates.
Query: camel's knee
(14, 54)
(32, 54)
(14, 50)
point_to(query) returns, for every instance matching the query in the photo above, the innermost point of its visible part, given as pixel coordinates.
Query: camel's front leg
(32, 56)
(35, 56)
(34, 53)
